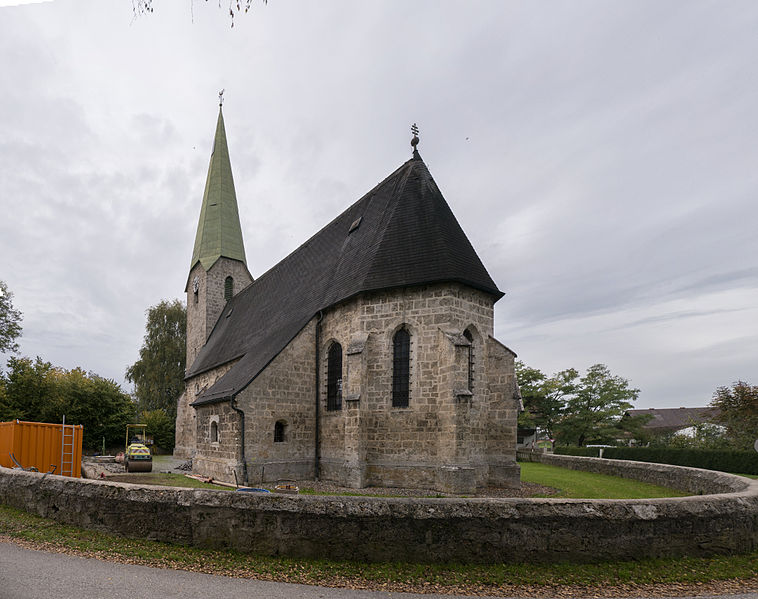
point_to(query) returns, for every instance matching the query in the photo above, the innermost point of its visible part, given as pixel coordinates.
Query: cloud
(601, 160)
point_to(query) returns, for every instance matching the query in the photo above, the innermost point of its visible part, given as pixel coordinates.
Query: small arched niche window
(214, 432)
(401, 368)
(228, 288)
(279, 428)
(470, 338)
(334, 377)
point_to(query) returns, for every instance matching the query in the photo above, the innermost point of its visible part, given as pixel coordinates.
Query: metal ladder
(67, 449)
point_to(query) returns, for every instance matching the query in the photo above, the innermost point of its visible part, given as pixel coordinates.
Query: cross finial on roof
(221, 98)
(415, 140)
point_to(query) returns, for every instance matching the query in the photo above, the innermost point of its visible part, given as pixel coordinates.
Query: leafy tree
(97, 403)
(37, 391)
(161, 426)
(530, 382)
(26, 389)
(704, 436)
(593, 412)
(634, 427)
(10, 321)
(544, 397)
(158, 375)
(738, 412)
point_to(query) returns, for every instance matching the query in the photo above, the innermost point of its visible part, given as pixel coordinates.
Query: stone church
(366, 357)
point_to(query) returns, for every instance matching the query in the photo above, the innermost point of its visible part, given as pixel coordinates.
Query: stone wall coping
(424, 507)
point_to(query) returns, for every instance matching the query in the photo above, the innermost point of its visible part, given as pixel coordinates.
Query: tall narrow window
(334, 378)
(279, 431)
(467, 334)
(228, 288)
(401, 368)
(214, 432)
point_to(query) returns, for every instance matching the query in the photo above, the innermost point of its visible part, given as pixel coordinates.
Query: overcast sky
(601, 156)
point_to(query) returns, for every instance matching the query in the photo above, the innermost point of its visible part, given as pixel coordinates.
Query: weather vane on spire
(415, 140)
(221, 98)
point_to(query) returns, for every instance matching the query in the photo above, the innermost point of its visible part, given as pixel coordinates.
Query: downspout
(233, 403)
(317, 460)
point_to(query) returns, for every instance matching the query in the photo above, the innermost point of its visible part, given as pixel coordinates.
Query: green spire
(218, 231)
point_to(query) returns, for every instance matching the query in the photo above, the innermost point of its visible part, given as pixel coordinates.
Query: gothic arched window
(334, 377)
(467, 334)
(228, 288)
(401, 368)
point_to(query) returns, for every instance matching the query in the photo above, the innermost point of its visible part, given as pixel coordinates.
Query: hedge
(740, 462)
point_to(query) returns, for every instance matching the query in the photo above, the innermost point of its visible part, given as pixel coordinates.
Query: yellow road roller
(137, 457)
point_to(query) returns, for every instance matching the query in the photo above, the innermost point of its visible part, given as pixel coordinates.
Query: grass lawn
(587, 485)
(156, 477)
(165, 479)
(526, 580)
(572, 483)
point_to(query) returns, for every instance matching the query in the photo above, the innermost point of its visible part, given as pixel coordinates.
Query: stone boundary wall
(404, 529)
(692, 480)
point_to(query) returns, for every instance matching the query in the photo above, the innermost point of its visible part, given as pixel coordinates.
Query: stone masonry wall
(403, 529)
(220, 458)
(184, 446)
(284, 391)
(446, 431)
(449, 438)
(186, 416)
(501, 417)
(203, 310)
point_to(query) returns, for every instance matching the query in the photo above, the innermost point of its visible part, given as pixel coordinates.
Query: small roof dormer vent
(355, 225)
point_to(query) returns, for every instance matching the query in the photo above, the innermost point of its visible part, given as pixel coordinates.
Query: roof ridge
(303, 245)
(395, 235)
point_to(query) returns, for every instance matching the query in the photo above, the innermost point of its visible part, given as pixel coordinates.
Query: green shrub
(160, 426)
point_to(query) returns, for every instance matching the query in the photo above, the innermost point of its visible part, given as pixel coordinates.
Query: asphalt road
(28, 574)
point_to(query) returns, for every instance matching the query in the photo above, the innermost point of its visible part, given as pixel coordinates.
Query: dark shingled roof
(673, 419)
(406, 235)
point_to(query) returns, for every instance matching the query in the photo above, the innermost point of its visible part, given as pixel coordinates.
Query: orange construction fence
(47, 447)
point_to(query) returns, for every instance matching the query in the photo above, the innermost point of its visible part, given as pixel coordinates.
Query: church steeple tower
(218, 231)
(218, 269)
